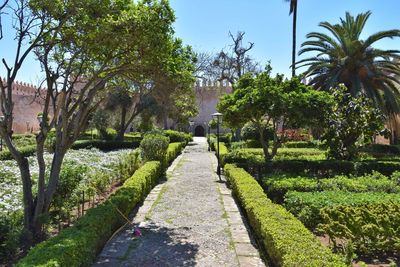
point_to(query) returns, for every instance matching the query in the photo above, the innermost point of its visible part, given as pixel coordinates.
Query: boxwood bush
(105, 145)
(307, 205)
(26, 151)
(79, 244)
(278, 186)
(284, 238)
(178, 137)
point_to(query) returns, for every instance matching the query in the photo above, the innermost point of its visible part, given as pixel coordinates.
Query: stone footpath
(188, 220)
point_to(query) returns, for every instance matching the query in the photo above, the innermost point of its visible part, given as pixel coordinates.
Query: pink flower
(137, 232)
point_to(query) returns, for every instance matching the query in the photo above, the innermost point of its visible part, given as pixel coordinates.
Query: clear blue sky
(204, 24)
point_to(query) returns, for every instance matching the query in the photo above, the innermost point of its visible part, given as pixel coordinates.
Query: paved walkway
(189, 220)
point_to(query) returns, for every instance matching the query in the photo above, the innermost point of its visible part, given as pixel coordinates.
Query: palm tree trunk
(294, 40)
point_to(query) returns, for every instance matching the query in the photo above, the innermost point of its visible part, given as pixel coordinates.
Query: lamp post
(218, 116)
(1, 138)
(209, 135)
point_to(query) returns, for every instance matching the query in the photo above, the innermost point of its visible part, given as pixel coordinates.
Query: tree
(81, 45)
(344, 58)
(293, 10)
(351, 123)
(231, 65)
(272, 102)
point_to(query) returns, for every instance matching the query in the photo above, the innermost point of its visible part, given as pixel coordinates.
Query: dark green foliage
(175, 136)
(174, 149)
(11, 229)
(250, 132)
(278, 186)
(154, 147)
(372, 229)
(105, 145)
(26, 151)
(284, 238)
(301, 144)
(341, 57)
(307, 205)
(351, 124)
(381, 149)
(79, 244)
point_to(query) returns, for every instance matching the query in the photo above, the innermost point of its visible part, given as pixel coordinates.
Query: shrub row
(285, 239)
(26, 151)
(321, 168)
(372, 229)
(278, 186)
(174, 149)
(307, 205)
(178, 137)
(79, 244)
(104, 145)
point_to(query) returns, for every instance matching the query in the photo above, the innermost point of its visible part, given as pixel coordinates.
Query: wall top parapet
(23, 88)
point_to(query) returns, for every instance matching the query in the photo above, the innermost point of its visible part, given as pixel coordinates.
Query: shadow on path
(158, 246)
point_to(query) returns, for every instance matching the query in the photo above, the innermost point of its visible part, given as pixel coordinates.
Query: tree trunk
(54, 177)
(264, 144)
(294, 40)
(123, 126)
(165, 120)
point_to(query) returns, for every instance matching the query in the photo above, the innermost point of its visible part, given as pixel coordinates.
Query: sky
(205, 25)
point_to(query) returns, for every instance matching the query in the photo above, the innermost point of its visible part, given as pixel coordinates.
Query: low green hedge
(178, 137)
(79, 244)
(26, 151)
(285, 239)
(174, 149)
(372, 229)
(278, 186)
(104, 145)
(321, 168)
(307, 205)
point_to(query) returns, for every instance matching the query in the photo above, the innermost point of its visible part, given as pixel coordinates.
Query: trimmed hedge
(278, 186)
(174, 149)
(178, 137)
(307, 205)
(104, 145)
(285, 239)
(320, 168)
(26, 151)
(79, 244)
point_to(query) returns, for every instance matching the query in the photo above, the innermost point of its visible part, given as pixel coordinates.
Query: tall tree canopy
(343, 58)
(81, 45)
(273, 102)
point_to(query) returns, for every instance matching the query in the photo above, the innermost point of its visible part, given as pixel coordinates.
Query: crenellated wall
(27, 104)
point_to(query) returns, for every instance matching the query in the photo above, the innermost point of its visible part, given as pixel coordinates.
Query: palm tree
(345, 58)
(293, 10)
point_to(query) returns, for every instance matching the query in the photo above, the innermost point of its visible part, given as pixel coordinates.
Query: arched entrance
(199, 131)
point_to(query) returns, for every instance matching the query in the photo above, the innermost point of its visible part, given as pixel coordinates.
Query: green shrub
(381, 149)
(384, 167)
(174, 149)
(300, 144)
(11, 229)
(79, 244)
(373, 229)
(278, 186)
(178, 137)
(26, 151)
(154, 147)
(285, 239)
(105, 145)
(307, 205)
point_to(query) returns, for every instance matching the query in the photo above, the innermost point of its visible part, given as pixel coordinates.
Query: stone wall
(27, 105)
(207, 96)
